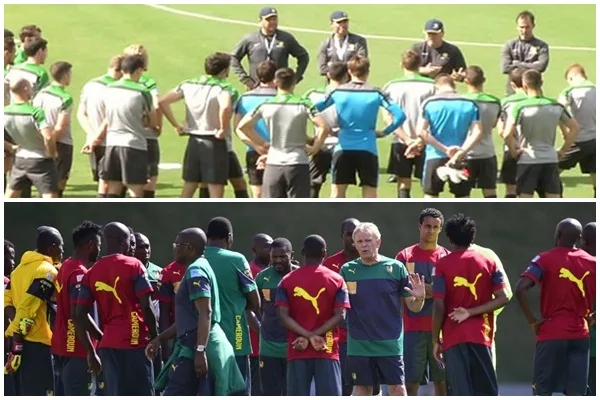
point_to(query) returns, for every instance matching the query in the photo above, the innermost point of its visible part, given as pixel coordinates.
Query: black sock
(148, 194)
(113, 196)
(241, 194)
(562, 190)
(60, 193)
(511, 196)
(204, 193)
(315, 191)
(594, 191)
(541, 194)
(124, 193)
(404, 194)
(491, 197)
(101, 196)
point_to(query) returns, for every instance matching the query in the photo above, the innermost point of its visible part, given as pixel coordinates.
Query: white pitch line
(322, 32)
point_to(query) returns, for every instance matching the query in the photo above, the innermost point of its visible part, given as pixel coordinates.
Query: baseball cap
(267, 12)
(339, 16)
(434, 26)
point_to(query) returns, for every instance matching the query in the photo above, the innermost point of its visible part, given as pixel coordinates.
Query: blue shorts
(243, 363)
(327, 375)
(561, 366)
(273, 376)
(183, 380)
(127, 372)
(421, 366)
(370, 371)
(71, 376)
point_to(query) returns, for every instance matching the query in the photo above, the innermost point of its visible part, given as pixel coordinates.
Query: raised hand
(417, 283)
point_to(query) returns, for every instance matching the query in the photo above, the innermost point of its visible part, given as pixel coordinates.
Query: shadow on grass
(574, 181)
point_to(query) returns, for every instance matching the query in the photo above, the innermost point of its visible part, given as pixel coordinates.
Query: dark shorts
(64, 161)
(153, 157)
(542, 177)
(508, 171)
(243, 363)
(470, 370)
(347, 164)
(421, 367)
(206, 160)
(327, 375)
(584, 154)
(320, 165)
(255, 372)
(404, 167)
(273, 376)
(126, 165)
(39, 172)
(127, 372)
(235, 168)
(592, 377)
(561, 366)
(35, 375)
(483, 172)
(255, 176)
(433, 185)
(369, 371)
(346, 374)
(96, 162)
(71, 376)
(183, 380)
(286, 181)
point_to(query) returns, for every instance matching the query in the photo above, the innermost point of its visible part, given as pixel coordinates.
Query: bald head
(349, 224)
(261, 247)
(195, 237)
(589, 239)
(116, 236)
(568, 233)
(49, 242)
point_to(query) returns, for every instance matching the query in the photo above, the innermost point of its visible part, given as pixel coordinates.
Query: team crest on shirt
(433, 271)
(351, 47)
(444, 56)
(281, 45)
(79, 278)
(533, 51)
(389, 268)
(248, 273)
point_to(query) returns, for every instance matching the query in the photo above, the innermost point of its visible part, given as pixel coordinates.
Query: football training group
(439, 135)
(295, 321)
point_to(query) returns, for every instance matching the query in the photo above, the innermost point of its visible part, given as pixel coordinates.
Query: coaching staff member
(269, 43)
(342, 45)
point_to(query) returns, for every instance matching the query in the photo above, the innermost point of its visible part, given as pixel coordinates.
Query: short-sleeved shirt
(64, 340)
(35, 74)
(335, 263)
(422, 262)
(116, 283)
(447, 56)
(168, 284)
(273, 335)
(568, 292)
(198, 282)
(234, 279)
(128, 105)
(312, 293)
(468, 279)
(538, 118)
(286, 117)
(24, 122)
(581, 101)
(254, 340)
(508, 103)
(450, 117)
(91, 100)
(489, 112)
(376, 296)
(55, 100)
(249, 101)
(150, 84)
(329, 115)
(409, 93)
(201, 98)
(154, 272)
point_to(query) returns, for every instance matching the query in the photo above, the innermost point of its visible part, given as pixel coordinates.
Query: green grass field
(88, 35)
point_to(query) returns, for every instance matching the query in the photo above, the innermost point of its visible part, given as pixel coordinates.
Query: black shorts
(433, 185)
(286, 181)
(71, 376)
(153, 157)
(64, 161)
(255, 372)
(592, 377)
(235, 168)
(127, 372)
(126, 165)
(508, 171)
(96, 162)
(421, 367)
(39, 172)
(369, 371)
(243, 363)
(206, 160)
(183, 380)
(545, 177)
(255, 176)
(273, 376)
(561, 366)
(348, 163)
(404, 167)
(483, 172)
(320, 165)
(36, 361)
(470, 370)
(584, 154)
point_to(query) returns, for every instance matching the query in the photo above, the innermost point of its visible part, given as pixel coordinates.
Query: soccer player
(57, 104)
(467, 288)
(9, 60)
(209, 102)
(357, 104)
(128, 111)
(538, 118)
(311, 302)
(420, 365)
(273, 335)
(237, 291)
(342, 45)
(247, 103)
(168, 283)
(409, 93)
(36, 154)
(567, 277)
(588, 239)
(119, 285)
(450, 127)
(27, 34)
(9, 258)
(269, 43)
(32, 290)
(31, 70)
(481, 160)
(526, 51)
(91, 114)
(580, 99)
(10, 381)
(378, 286)
(70, 364)
(287, 172)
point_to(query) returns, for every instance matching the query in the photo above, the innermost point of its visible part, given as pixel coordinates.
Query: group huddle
(210, 323)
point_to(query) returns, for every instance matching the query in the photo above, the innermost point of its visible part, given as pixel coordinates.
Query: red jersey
(116, 283)
(168, 283)
(335, 263)
(312, 293)
(64, 341)
(254, 339)
(567, 278)
(420, 261)
(467, 279)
